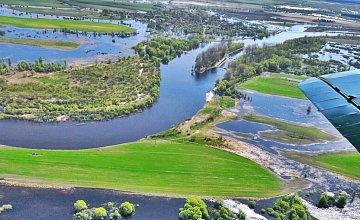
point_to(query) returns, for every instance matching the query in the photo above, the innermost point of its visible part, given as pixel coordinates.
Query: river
(181, 96)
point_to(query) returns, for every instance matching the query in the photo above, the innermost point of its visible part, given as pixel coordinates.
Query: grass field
(86, 26)
(344, 163)
(111, 4)
(290, 133)
(276, 84)
(147, 167)
(56, 44)
(46, 3)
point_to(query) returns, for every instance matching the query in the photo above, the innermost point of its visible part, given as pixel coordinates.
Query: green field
(46, 3)
(73, 25)
(146, 167)
(111, 4)
(344, 163)
(289, 132)
(56, 44)
(276, 84)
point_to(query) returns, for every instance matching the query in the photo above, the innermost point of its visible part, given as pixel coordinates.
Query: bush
(194, 209)
(252, 204)
(323, 201)
(80, 205)
(127, 209)
(242, 215)
(341, 203)
(223, 214)
(100, 213)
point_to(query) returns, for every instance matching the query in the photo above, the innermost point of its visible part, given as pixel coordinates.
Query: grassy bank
(276, 84)
(113, 5)
(290, 133)
(56, 44)
(146, 167)
(344, 163)
(74, 25)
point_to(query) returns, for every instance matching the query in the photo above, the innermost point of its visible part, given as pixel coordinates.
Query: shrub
(242, 215)
(223, 214)
(127, 209)
(194, 209)
(341, 203)
(323, 201)
(100, 213)
(252, 204)
(80, 205)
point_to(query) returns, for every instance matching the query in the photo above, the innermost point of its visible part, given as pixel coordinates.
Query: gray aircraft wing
(337, 96)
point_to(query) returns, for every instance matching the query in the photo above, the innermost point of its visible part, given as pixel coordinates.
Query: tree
(80, 205)
(341, 202)
(127, 209)
(100, 213)
(194, 209)
(252, 204)
(242, 215)
(323, 201)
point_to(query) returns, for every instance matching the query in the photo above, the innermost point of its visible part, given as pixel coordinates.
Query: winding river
(181, 96)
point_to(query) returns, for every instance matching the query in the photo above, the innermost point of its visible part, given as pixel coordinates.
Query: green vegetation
(92, 93)
(59, 78)
(80, 205)
(72, 25)
(289, 132)
(110, 4)
(197, 21)
(220, 212)
(127, 209)
(163, 49)
(146, 167)
(327, 200)
(252, 204)
(100, 213)
(56, 44)
(285, 57)
(344, 163)
(276, 84)
(289, 207)
(194, 209)
(45, 3)
(215, 55)
(110, 209)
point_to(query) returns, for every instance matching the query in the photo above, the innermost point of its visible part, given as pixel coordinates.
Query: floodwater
(181, 96)
(57, 204)
(284, 108)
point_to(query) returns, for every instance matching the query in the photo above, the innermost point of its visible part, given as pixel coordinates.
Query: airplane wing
(337, 96)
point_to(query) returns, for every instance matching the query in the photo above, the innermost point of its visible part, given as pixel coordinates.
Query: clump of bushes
(194, 209)
(221, 212)
(289, 207)
(40, 66)
(112, 210)
(326, 200)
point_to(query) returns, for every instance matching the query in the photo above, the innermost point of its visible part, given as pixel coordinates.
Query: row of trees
(209, 58)
(163, 49)
(39, 66)
(285, 57)
(111, 210)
